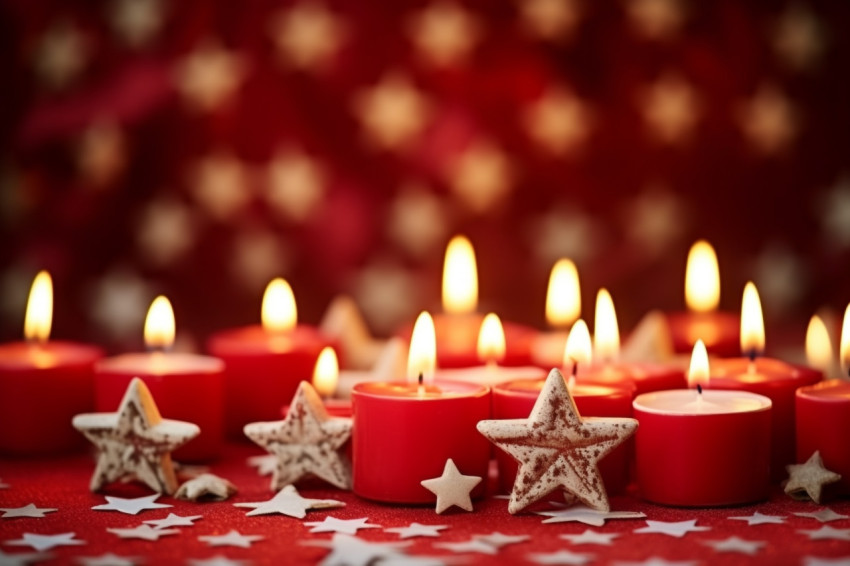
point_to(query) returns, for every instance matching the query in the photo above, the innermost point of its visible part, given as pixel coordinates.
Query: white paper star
(347, 550)
(392, 112)
(589, 536)
(307, 36)
(824, 515)
(296, 185)
(768, 121)
(132, 506)
(418, 560)
(444, 33)
(471, 545)
(550, 20)
(221, 186)
(759, 519)
(499, 540)
(560, 557)
(344, 526)
(671, 109)
(735, 544)
(166, 231)
(676, 529)
(143, 532)
(418, 221)
(656, 19)
(259, 255)
(481, 177)
(209, 76)
(586, 515)
(798, 38)
(119, 302)
(558, 121)
(136, 22)
(417, 530)
(231, 538)
(217, 560)
(174, 521)
(656, 561)
(45, 542)
(61, 55)
(815, 561)
(826, 533)
(29, 510)
(107, 559)
(452, 488)
(22, 559)
(288, 502)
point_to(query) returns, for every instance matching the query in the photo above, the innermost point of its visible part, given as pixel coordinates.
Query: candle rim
(763, 403)
(119, 364)
(68, 352)
(819, 391)
(470, 390)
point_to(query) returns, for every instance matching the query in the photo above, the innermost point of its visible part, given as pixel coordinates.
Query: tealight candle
(702, 448)
(405, 431)
(43, 383)
(325, 380)
(187, 387)
(563, 308)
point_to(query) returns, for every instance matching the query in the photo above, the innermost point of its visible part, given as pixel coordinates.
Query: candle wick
(421, 380)
(575, 366)
(699, 388)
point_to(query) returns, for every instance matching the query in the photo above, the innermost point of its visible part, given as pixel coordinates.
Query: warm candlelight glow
(491, 340)
(39, 314)
(460, 277)
(578, 350)
(422, 358)
(752, 322)
(326, 372)
(844, 351)
(818, 347)
(279, 313)
(698, 371)
(606, 333)
(702, 278)
(563, 297)
(159, 324)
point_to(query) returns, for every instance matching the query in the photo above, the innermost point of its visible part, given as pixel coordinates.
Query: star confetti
(586, 515)
(288, 502)
(217, 560)
(107, 559)
(589, 536)
(560, 557)
(135, 441)
(26, 511)
(807, 480)
(174, 521)
(674, 529)
(656, 561)
(735, 544)
(471, 545)
(143, 532)
(815, 561)
(344, 526)
(231, 538)
(307, 441)
(824, 515)
(347, 550)
(3, 485)
(452, 488)
(206, 487)
(499, 540)
(417, 530)
(132, 506)
(45, 542)
(826, 533)
(22, 559)
(557, 448)
(759, 519)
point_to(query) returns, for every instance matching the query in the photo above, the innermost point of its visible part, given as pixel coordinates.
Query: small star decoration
(807, 480)
(452, 488)
(27, 511)
(289, 502)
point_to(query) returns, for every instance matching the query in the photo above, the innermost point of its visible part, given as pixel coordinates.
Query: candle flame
(702, 278)
(279, 313)
(698, 371)
(578, 349)
(752, 322)
(159, 324)
(39, 314)
(491, 340)
(326, 372)
(460, 277)
(818, 346)
(422, 358)
(844, 351)
(606, 333)
(563, 296)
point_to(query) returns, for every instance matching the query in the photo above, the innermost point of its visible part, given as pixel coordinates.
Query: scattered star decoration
(452, 488)
(676, 529)
(174, 521)
(759, 519)
(560, 557)
(824, 515)
(735, 544)
(22, 559)
(143, 532)
(417, 530)
(807, 480)
(288, 502)
(344, 526)
(106, 559)
(26, 511)
(589, 536)
(45, 542)
(132, 506)
(217, 560)
(826, 533)
(586, 515)
(347, 550)
(231, 538)
(207, 487)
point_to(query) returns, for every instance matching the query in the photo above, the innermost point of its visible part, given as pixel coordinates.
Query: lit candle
(187, 387)
(325, 381)
(563, 308)
(699, 447)
(265, 363)
(43, 383)
(773, 378)
(717, 329)
(405, 431)
(819, 352)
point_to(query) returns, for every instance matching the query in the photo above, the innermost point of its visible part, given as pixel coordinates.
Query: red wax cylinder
(185, 387)
(638, 378)
(42, 387)
(263, 370)
(823, 421)
(402, 437)
(702, 454)
(719, 331)
(514, 400)
(777, 380)
(334, 407)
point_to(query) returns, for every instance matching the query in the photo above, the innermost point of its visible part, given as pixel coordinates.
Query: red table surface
(62, 483)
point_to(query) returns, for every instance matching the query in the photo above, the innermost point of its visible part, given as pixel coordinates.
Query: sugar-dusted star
(347, 550)
(676, 529)
(481, 176)
(392, 113)
(807, 480)
(759, 519)
(290, 503)
(671, 109)
(558, 121)
(22, 559)
(655, 561)
(217, 560)
(499, 540)
(231, 538)
(471, 545)
(26, 511)
(132, 506)
(816, 561)
(206, 487)
(586, 515)
(735, 544)
(106, 559)
(826, 533)
(768, 120)
(560, 557)
(174, 521)
(589, 536)
(143, 532)
(308, 441)
(824, 515)
(209, 76)
(41, 542)
(135, 441)
(557, 449)
(444, 33)
(344, 526)
(452, 488)
(417, 530)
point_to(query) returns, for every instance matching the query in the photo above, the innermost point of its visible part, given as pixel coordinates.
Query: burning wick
(699, 388)
(421, 380)
(751, 367)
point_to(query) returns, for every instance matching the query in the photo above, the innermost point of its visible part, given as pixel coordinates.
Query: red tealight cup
(636, 377)
(823, 420)
(720, 331)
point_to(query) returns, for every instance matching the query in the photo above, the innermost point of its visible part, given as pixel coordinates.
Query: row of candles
(714, 445)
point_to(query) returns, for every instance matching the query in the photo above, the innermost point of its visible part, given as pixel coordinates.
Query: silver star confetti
(344, 526)
(231, 538)
(45, 542)
(174, 521)
(676, 529)
(144, 532)
(107, 559)
(347, 550)
(560, 557)
(417, 530)
(735, 544)
(824, 515)
(759, 519)
(589, 536)
(288, 502)
(26, 511)
(587, 516)
(132, 506)
(826, 533)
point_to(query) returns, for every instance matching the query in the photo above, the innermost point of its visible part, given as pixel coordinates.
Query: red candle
(405, 432)
(264, 363)
(515, 400)
(823, 419)
(325, 380)
(699, 448)
(187, 387)
(43, 384)
(718, 330)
